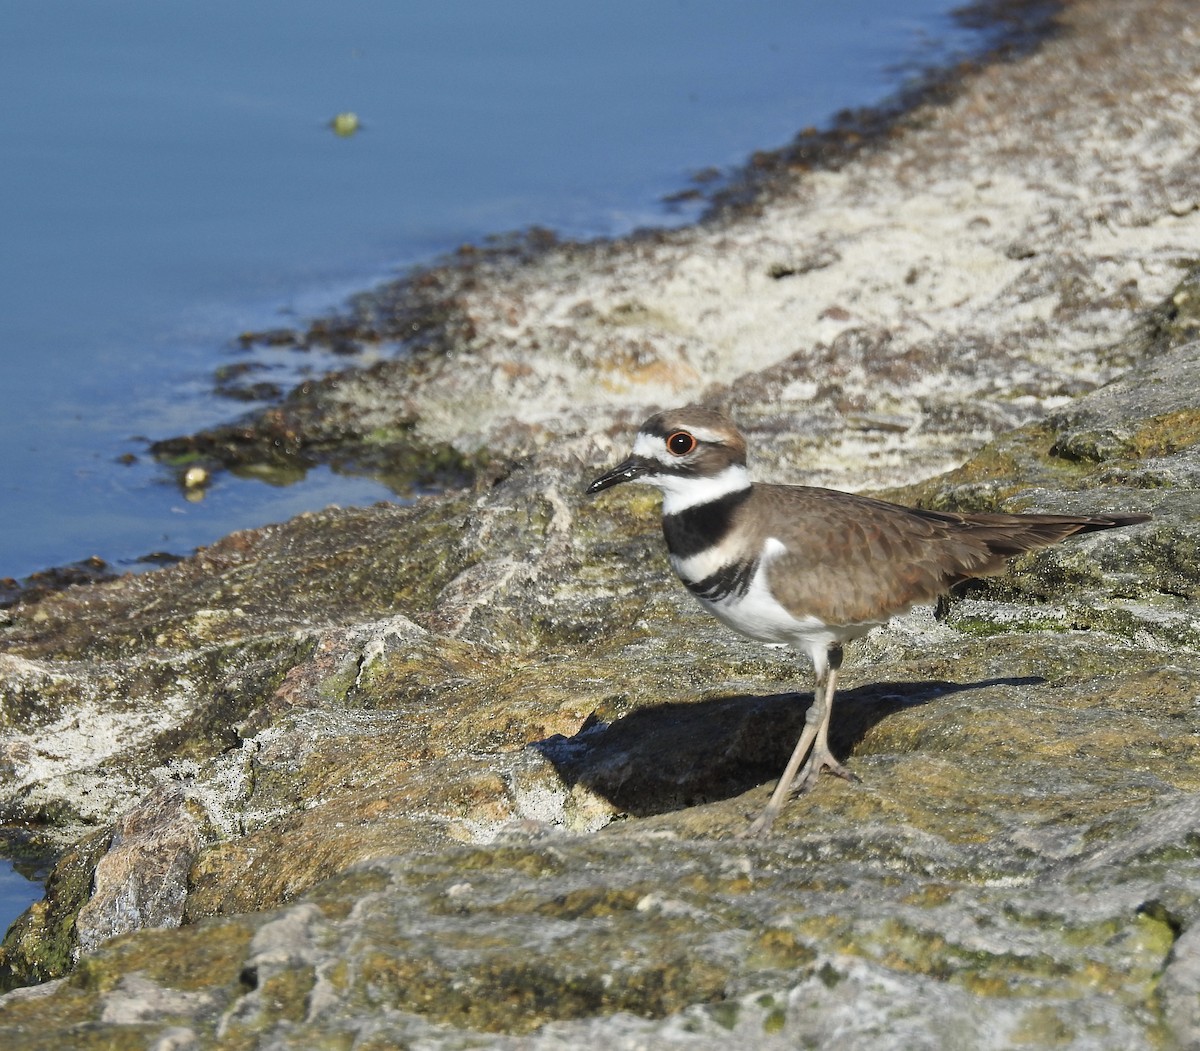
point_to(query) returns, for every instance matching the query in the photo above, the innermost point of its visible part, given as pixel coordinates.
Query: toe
(810, 773)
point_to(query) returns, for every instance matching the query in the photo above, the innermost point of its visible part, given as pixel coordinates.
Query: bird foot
(820, 759)
(761, 825)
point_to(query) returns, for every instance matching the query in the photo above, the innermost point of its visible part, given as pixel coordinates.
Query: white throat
(680, 493)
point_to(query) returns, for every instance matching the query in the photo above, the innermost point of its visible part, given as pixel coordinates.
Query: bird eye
(681, 443)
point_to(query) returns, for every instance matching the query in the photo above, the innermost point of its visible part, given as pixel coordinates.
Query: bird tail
(987, 541)
(1007, 535)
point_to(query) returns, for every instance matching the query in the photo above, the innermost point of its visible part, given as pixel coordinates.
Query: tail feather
(1015, 534)
(1091, 525)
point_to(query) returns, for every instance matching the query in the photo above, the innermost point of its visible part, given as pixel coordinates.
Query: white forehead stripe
(654, 447)
(650, 446)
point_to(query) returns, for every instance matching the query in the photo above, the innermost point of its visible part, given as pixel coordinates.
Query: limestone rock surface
(469, 772)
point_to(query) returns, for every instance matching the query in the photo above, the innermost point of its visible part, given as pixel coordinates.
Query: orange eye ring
(681, 443)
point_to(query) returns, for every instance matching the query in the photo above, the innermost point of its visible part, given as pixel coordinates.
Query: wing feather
(854, 560)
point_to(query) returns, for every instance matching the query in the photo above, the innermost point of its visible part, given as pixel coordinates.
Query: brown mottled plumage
(813, 568)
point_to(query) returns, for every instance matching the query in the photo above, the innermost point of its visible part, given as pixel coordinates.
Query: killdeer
(811, 568)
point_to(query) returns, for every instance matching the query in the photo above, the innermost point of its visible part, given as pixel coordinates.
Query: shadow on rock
(671, 756)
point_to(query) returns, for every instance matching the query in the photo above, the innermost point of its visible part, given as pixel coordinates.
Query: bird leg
(814, 742)
(821, 758)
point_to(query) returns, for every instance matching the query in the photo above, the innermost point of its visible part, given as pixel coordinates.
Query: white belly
(755, 613)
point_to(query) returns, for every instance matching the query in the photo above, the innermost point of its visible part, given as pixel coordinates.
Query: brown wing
(853, 560)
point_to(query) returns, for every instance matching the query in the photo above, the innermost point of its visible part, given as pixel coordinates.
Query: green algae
(40, 946)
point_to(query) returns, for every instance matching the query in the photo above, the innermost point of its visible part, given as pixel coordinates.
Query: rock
(141, 881)
(468, 772)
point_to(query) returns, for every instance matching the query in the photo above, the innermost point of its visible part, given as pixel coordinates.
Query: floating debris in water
(345, 124)
(196, 478)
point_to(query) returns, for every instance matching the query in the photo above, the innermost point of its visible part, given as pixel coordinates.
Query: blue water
(168, 178)
(16, 894)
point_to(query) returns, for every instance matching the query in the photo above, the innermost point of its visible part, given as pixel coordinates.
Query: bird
(808, 567)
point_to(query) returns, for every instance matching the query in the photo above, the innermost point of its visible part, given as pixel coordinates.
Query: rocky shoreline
(467, 773)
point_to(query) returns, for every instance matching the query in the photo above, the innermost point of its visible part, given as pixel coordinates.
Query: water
(168, 179)
(17, 893)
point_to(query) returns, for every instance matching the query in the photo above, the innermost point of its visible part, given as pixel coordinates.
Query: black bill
(625, 472)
